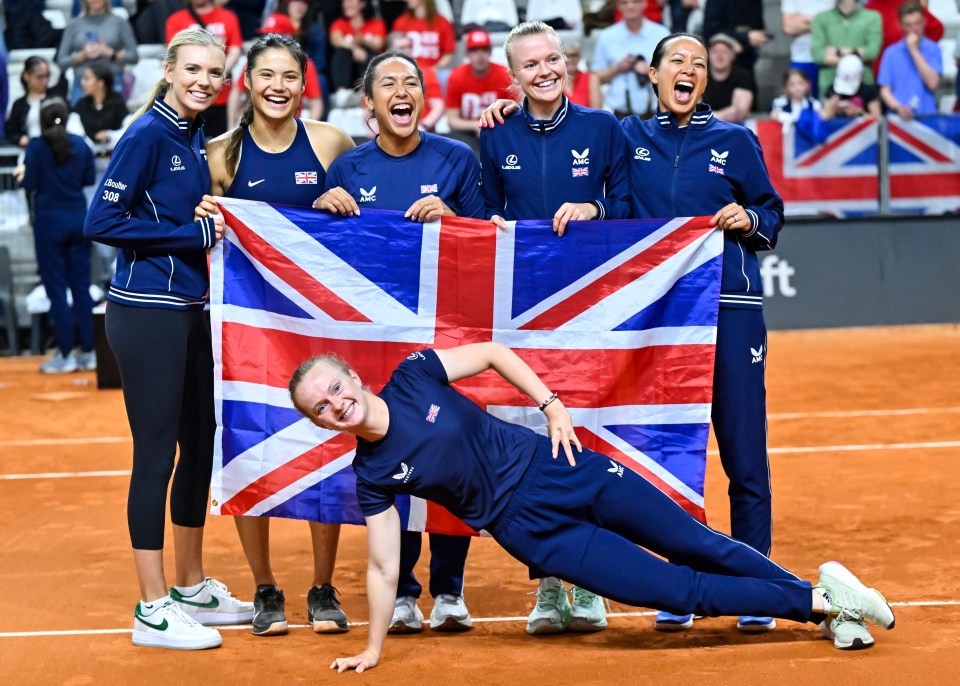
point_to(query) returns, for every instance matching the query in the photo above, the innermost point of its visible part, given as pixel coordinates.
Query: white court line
(490, 620)
(64, 475)
(65, 441)
(864, 413)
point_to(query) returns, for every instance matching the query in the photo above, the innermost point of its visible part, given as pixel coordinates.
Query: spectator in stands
(849, 95)
(620, 60)
(583, 87)
(4, 80)
(150, 21)
(432, 91)
(57, 167)
(796, 97)
(223, 24)
(27, 28)
(847, 29)
(391, 10)
(911, 69)
(311, 35)
(101, 109)
(96, 36)
(680, 11)
(731, 89)
(797, 16)
(893, 31)
(356, 38)
(23, 123)
(433, 39)
(249, 13)
(741, 19)
(473, 86)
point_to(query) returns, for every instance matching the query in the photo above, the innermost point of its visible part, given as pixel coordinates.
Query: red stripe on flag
(440, 521)
(288, 473)
(590, 440)
(655, 375)
(308, 286)
(908, 137)
(832, 143)
(924, 185)
(629, 271)
(465, 295)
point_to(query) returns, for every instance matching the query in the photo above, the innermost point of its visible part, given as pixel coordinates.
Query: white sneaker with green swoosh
(213, 604)
(169, 627)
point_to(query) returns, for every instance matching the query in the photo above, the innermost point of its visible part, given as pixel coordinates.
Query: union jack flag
(618, 317)
(432, 414)
(716, 170)
(428, 188)
(581, 171)
(835, 169)
(305, 177)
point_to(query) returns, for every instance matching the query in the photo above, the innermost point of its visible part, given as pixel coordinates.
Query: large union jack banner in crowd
(618, 317)
(833, 167)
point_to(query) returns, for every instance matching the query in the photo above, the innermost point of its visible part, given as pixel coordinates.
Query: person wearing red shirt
(355, 37)
(223, 24)
(433, 39)
(583, 87)
(473, 86)
(892, 31)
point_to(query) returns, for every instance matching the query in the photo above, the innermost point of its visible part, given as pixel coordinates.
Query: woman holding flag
(427, 177)
(261, 160)
(569, 517)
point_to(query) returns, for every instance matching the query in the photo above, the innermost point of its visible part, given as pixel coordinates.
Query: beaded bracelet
(543, 405)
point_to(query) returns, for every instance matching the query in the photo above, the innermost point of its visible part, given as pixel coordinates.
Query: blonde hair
(199, 37)
(301, 372)
(525, 30)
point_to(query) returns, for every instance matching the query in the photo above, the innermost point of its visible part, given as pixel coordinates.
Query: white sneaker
(587, 612)
(169, 627)
(844, 592)
(87, 362)
(407, 618)
(214, 604)
(847, 632)
(58, 364)
(551, 615)
(450, 614)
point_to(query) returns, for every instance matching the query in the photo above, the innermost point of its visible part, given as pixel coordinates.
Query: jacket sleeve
(760, 199)
(493, 199)
(125, 186)
(89, 167)
(470, 201)
(31, 162)
(615, 203)
(874, 25)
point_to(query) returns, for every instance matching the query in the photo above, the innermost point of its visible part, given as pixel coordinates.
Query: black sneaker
(323, 611)
(268, 616)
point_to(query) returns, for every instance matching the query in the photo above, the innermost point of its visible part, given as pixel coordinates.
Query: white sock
(191, 590)
(147, 609)
(827, 602)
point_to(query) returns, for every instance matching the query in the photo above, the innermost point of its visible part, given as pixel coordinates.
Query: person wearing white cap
(849, 96)
(474, 85)
(847, 29)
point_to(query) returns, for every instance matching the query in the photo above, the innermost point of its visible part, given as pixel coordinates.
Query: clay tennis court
(864, 437)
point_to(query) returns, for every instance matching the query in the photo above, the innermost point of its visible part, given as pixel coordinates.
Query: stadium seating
(571, 11)
(496, 16)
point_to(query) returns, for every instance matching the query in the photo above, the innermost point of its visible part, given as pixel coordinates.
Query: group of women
(163, 166)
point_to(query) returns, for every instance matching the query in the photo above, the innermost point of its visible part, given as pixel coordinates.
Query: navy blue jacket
(438, 166)
(157, 175)
(530, 167)
(695, 171)
(58, 187)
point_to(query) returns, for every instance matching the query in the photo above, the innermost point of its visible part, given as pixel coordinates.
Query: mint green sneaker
(847, 631)
(845, 593)
(167, 626)
(587, 612)
(213, 604)
(552, 612)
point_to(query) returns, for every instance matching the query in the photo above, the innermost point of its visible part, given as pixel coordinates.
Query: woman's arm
(475, 358)
(383, 542)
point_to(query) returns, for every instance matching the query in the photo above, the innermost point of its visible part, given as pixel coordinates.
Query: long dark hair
(29, 65)
(662, 48)
(102, 72)
(268, 42)
(53, 128)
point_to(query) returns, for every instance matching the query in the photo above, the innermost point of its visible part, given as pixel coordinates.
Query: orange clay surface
(874, 487)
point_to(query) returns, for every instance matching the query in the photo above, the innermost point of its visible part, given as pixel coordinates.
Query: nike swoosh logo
(213, 602)
(162, 626)
(251, 184)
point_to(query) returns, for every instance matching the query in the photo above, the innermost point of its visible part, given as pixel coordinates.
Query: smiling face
(195, 80)
(275, 83)
(538, 67)
(396, 98)
(680, 77)
(332, 398)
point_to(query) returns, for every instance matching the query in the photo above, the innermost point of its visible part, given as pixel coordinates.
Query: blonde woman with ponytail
(259, 160)
(157, 330)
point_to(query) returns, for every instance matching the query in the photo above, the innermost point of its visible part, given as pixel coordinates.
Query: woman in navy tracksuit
(684, 161)
(427, 177)
(575, 518)
(58, 166)
(556, 159)
(156, 327)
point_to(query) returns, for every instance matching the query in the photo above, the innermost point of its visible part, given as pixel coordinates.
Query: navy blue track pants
(448, 555)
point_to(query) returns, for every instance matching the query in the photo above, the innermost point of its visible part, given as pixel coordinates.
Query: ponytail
(232, 157)
(53, 128)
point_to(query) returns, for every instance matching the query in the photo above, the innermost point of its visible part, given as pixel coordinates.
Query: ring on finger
(736, 217)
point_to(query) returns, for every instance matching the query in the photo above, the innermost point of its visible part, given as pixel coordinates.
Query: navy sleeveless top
(292, 177)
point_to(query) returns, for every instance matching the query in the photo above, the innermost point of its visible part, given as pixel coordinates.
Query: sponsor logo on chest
(368, 195)
(176, 164)
(512, 163)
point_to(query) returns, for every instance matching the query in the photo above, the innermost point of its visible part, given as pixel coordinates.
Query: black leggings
(166, 366)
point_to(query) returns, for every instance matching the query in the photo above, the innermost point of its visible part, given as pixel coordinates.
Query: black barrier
(863, 272)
